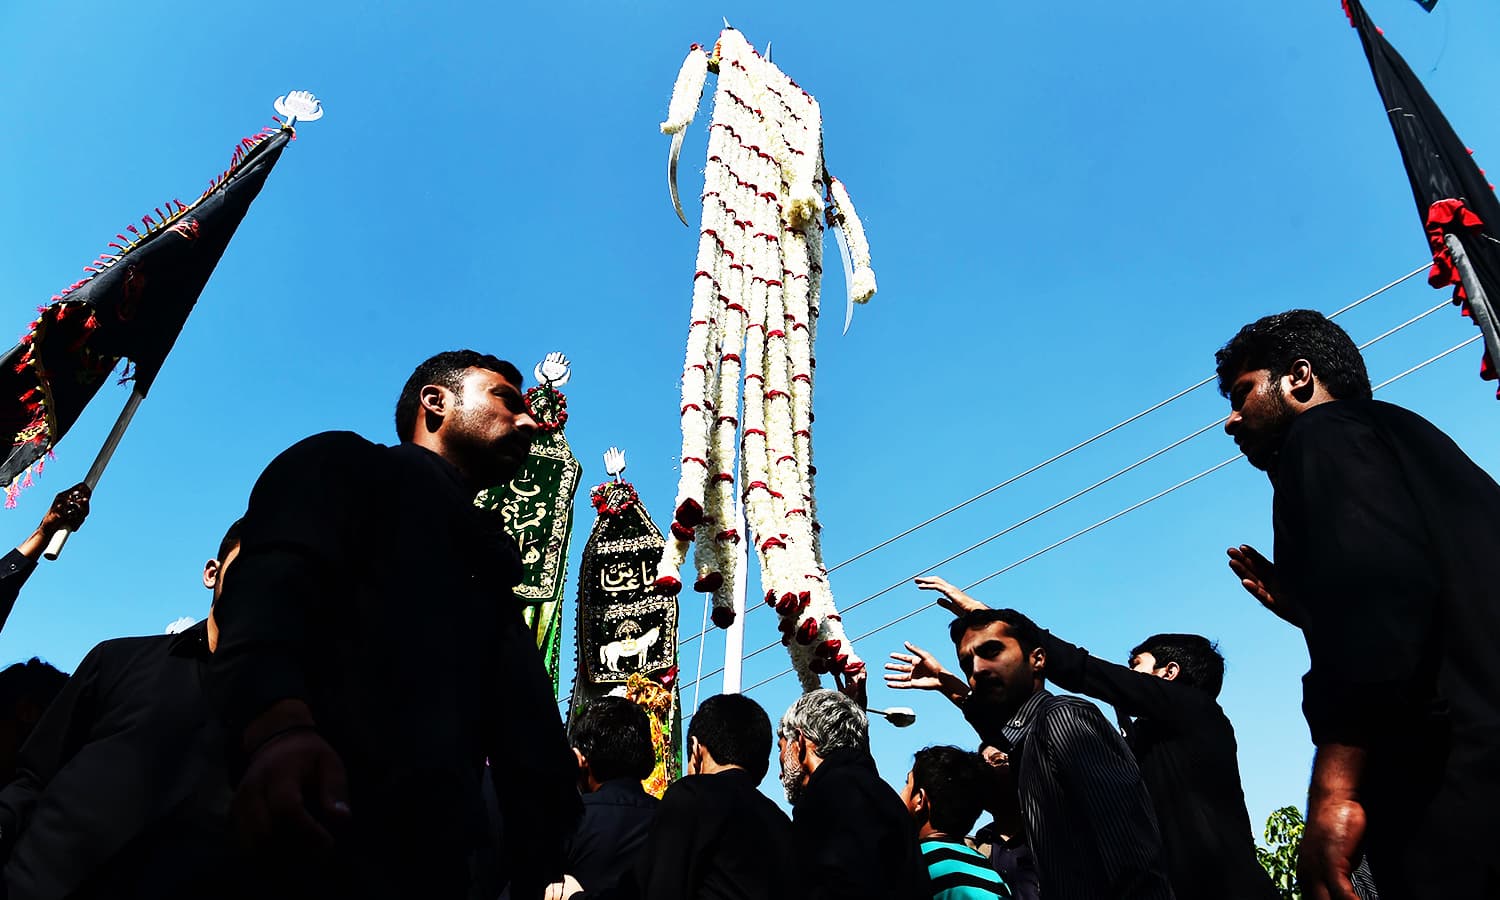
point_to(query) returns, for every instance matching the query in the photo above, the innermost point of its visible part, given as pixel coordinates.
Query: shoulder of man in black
(854, 835)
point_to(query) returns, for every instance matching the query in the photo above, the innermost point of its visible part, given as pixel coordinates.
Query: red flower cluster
(613, 497)
(552, 414)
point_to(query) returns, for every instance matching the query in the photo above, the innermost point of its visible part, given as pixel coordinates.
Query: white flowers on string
(862, 288)
(754, 314)
(687, 92)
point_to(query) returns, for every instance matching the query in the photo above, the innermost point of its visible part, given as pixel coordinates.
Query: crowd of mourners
(312, 737)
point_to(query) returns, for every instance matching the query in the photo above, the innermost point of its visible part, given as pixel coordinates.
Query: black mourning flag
(1455, 200)
(132, 306)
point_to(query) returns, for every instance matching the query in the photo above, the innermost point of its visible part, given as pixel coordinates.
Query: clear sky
(1070, 207)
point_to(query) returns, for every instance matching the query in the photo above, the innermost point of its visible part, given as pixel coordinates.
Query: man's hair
(231, 538)
(1198, 658)
(614, 734)
(957, 783)
(445, 370)
(1025, 631)
(1275, 342)
(736, 731)
(830, 720)
(32, 680)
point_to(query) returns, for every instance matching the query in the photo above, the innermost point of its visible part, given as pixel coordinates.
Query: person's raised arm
(1132, 693)
(916, 669)
(68, 510)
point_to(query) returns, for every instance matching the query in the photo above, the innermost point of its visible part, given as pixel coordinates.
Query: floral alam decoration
(755, 301)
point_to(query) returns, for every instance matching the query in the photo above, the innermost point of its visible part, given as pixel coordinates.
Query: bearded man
(854, 836)
(1386, 559)
(372, 656)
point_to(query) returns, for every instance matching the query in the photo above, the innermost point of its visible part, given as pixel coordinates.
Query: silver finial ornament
(614, 462)
(553, 371)
(299, 106)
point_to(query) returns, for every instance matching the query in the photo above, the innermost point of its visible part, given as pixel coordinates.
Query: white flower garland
(687, 93)
(863, 286)
(755, 306)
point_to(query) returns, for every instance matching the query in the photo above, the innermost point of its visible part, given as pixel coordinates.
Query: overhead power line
(1108, 519)
(1085, 491)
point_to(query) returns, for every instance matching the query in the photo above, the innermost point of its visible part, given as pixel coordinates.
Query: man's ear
(920, 803)
(1170, 671)
(211, 574)
(1301, 380)
(1038, 660)
(583, 761)
(435, 401)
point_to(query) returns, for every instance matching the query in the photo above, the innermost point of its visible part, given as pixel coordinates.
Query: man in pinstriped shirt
(1087, 813)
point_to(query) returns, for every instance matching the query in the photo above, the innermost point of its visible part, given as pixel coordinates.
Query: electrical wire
(1085, 443)
(1066, 500)
(1108, 519)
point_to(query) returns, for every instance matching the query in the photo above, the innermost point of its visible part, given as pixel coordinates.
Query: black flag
(132, 306)
(1456, 202)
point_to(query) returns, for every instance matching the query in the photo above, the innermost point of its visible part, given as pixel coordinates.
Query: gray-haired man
(855, 837)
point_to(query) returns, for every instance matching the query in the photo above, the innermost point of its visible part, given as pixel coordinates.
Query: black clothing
(121, 790)
(1014, 861)
(716, 837)
(1088, 818)
(369, 586)
(1185, 748)
(1388, 550)
(15, 569)
(855, 838)
(616, 821)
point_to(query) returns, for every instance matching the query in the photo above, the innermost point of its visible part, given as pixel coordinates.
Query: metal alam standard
(131, 304)
(766, 196)
(1455, 200)
(627, 633)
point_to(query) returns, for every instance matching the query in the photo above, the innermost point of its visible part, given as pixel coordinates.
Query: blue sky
(1069, 209)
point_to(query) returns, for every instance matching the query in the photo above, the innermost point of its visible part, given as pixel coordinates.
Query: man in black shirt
(716, 837)
(1386, 558)
(373, 656)
(1088, 816)
(121, 790)
(68, 510)
(612, 739)
(855, 838)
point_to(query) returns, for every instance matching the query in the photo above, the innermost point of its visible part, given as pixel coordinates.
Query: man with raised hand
(1167, 698)
(1386, 537)
(373, 656)
(1088, 817)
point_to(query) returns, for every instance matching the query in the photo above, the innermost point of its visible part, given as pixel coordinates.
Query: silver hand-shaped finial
(554, 370)
(614, 461)
(299, 106)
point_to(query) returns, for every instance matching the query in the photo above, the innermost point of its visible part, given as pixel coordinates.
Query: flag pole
(734, 638)
(106, 452)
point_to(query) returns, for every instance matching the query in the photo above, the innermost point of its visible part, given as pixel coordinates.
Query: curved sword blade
(838, 234)
(675, 152)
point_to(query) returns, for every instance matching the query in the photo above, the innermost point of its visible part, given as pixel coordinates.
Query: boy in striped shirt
(945, 792)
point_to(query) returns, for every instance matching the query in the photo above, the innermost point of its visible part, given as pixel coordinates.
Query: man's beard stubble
(791, 781)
